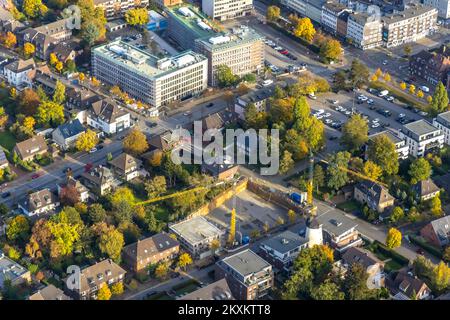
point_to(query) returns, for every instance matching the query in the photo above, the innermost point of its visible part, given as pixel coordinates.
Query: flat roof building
(442, 121)
(152, 80)
(421, 137)
(227, 9)
(12, 271)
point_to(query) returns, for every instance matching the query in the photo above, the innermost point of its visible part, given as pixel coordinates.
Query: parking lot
(252, 212)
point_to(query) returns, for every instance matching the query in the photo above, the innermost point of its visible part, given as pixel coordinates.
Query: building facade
(443, 7)
(147, 78)
(117, 8)
(363, 31)
(442, 122)
(330, 13)
(227, 9)
(421, 137)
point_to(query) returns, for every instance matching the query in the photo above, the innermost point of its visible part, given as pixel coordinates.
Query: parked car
(6, 194)
(93, 150)
(424, 88)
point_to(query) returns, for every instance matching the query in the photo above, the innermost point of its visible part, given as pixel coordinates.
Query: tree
(225, 77)
(403, 85)
(91, 16)
(95, 82)
(184, 260)
(9, 40)
(50, 113)
(59, 94)
(71, 66)
(34, 8)
(138, 16)
(419, 170)
(420, 94)
(86, 141)
(440, 99)
(81, 77)
(355, 282)
(53, 59)
(393, 238)
(318, 177)
(374, 78)
(18, 228)
(69, 195)
(64, 236)
(273, 13)
(97, 213)
(292, 216)
(28, 102)
(122, 194)
(441, 276)
(28, 49)
(387, 77)
(331, 50)
(286, 162)
(161, 270)
(104, 293)
(407, 49)
(372, 170)
(359, 74)
(337, 176)
(327, 291)
(59, 66)
(135, 142)
(382, 152)
(156, 186)
(340, 82)
(355, 132)
(446, 255)
(305, 29)
(436, 208)
(91, 33)
(397, 214)
(111, 242)
(156, 158)
(412, 89)
(117, 288)
(29, 122)
(13, 93)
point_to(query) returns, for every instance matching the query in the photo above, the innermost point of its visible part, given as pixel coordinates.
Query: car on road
(6, 194)
(278, 48)
(153, 124)
(88, 167)
(327, 115)
(93, 150)
(390, 98)
(285, 52)
(424, 88)
(370, 101)
(372, 91)
(335, 102)
(35, 176)
(423, 113)
(100, 147)
(209, 105)
(383, 93)
(186, 113)
(375, 125)
(121, 137)
(328, 121)
(312, 96)
(332, 138)
(385, 62)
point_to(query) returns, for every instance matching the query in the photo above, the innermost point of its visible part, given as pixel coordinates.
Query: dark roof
(245, 262)
(151, 246)
(425, 187)
(39, 199)
(362, 256)
(336, 223)
(257, 95)
(71, 129)
(160, 142)
(285, 242)
(98, 175)
(443, 181)
(218, 290)
(408, 284)
(441, 228)
(124, 161)
(107, 110)
(375, 193)
(3, 159)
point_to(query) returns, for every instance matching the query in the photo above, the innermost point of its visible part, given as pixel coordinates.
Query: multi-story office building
(153, 80)
(443, 7)
(242, 50)
(227, 9)
(421, 137)
(330, 14)
(363, 30)
(249, 276)
(117, 8)
(412, 24)
(442, 122)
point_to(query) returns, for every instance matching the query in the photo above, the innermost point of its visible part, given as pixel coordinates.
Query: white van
(267, 82)
(383, 93)
(424, 88)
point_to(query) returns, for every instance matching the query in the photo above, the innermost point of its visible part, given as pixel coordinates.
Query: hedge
(426, 246)
(401, 96)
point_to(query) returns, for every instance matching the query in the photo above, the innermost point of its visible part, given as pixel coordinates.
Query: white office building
(443, 7)
(421, 137)
(227, 9)
(442, 122)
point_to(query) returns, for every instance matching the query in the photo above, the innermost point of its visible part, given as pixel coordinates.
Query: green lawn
(7, 140)
(349, 206)
(392, 265)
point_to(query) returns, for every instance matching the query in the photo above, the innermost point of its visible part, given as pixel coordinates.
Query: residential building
(167, 3)
(27, 150)
(443, 7)
(437, 232)
(342, 24)
(67, 50)
(3, 160)
(227, 9)
(49, 292)
(281, 250)
(80, 99)
(421, 137)
(374, 195)
(330, 15)
(425, 190)
(431, 66)
(20, 73)
(38, 203)
(222, 172)
(92, 278)
(152, 80)
(106, 116)
(196, 235)
(401, 147)
(125, 166)
(442, 122)
(66, 135)
(298, 6)
(407, 287)
(3, 225)
(374, 266)
(73, 185)
(12, 271)
(8, 22)
(218, 290)
(259, 98)
(249, 276)
(339, 231)
(314, 10)
(414, 23)
(150, 251)
(117, 8)
(98, 180)
(364, 31)
(242, 50)
(45, 37)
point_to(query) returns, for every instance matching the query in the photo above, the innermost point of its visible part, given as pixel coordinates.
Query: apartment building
(117, 8)
(38, 203)
(342, 24)
(443, 7)
(314, 9)
(363, 31)
(421, 137)
(249, 276)
(432, 66)
(152, 80)
(442, 122)
(409, 25)
(227, 9)
(242, 50)
(299, 6)
(259, 98)
(330, 13)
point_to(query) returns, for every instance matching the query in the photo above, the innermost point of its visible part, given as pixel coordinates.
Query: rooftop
(420, 127)
(235, 37)
(413, 10)
(444, 118)
(257, 95)
(151, 246)
(143, 62)
(335, 222)
(193, 19)
(9, 270)
(50, 292)
(284, 242)
(71, 128)
(196, 229)
(218, 290)
(388, 134)
(246, 262)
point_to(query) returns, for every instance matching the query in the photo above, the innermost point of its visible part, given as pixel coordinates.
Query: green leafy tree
(59, 94)
(90, 33)
(111, 242)
(327, 291)
(359, 74)
(96, 213)
(286, 162)
(318, 177)
(18, 228)
(355, 283)
(50, 113)
(419, 170)
(397, 214)
(34, 8)
(355, 132)
(273, 13)
(225, 77)
(337, 176)
(156, 186)
(382, 151)
(439, 102)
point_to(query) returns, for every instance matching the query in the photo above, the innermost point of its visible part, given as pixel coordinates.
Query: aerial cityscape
(224, 150)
